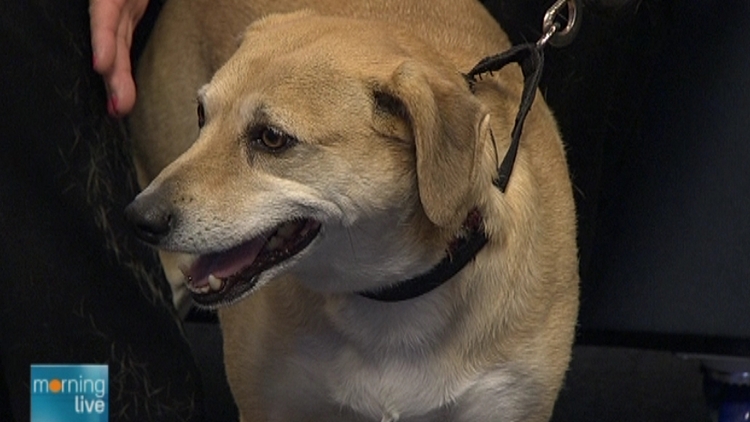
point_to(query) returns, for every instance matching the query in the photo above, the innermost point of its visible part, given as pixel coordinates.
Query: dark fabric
(672, 253)
(75, 287)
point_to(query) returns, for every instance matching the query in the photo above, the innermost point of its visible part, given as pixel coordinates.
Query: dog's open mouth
(222, 277)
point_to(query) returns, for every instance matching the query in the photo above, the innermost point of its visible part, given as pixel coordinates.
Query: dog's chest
(391, 386)
(382, 386)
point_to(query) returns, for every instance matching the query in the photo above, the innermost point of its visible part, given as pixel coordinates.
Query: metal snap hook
(551, 31)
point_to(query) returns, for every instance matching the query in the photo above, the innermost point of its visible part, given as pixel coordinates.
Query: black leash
(463, 249)
(530, 57)
(531, 60)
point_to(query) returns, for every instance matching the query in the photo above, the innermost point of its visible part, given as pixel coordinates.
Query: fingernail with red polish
(112, 106)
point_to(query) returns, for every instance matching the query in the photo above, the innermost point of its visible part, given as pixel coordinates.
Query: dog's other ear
(446, 122)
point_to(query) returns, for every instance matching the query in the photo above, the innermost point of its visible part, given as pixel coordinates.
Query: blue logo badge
(69, 393)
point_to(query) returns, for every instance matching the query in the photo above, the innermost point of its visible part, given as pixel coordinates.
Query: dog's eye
(201, 116)
(270, 139)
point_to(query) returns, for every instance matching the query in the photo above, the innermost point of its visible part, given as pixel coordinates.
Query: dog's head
(339, 151)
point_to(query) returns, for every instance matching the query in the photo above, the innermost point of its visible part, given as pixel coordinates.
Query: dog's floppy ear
(446, 123)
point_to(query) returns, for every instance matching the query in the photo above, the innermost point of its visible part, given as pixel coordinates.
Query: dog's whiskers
(494, 145)
(351, 243)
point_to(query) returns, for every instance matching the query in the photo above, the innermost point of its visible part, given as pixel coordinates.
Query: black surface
(631, 385)
(672, 253)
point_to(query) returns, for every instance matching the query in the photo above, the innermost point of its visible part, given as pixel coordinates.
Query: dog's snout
(151, 217)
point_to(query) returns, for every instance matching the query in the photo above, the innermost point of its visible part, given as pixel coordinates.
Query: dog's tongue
(224, 264)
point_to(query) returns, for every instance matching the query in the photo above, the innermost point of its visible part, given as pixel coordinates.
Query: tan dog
(341, 152)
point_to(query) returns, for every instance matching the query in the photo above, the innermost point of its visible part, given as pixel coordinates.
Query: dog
(333, 198)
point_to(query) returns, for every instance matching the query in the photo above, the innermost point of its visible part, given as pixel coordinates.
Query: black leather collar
(460, 251)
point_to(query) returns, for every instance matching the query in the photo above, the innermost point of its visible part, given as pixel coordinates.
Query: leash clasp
(551, 27)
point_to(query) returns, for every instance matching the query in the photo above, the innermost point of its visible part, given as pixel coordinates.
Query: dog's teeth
(204, 289)
(214, 282)
(274, 243)
(287, 230)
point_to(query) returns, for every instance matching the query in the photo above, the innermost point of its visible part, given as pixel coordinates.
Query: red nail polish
(112, 106)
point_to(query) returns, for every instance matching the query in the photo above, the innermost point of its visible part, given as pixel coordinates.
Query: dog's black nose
(151, 217)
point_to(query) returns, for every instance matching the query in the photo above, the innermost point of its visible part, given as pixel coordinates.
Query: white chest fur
(393, 387)
(399, 386)
(374, 359)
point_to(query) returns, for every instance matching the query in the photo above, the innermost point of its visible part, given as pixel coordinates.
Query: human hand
(112, 26)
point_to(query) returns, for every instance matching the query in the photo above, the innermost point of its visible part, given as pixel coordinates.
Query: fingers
(121, 86)
(112, 26)
(105, 22)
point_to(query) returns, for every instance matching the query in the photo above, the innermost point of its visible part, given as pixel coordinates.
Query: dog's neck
(472, 239)
(462, 249)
